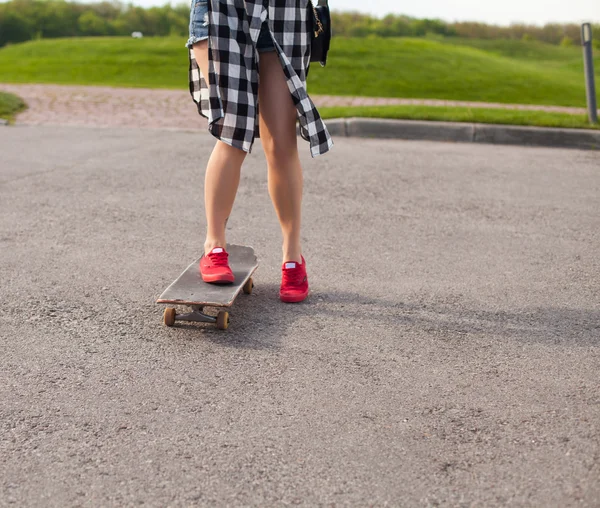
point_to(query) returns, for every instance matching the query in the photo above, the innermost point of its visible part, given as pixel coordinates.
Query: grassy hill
(453, 69)
(505, 71)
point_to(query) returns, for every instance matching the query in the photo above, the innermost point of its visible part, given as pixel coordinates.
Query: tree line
(22, 20)
(353, 24)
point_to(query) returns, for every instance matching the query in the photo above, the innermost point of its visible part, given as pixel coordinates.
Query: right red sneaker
(214, 267)
(294, 282)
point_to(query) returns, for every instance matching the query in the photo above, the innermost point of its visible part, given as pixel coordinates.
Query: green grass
(113, 61)
(521, 50)
(506, 72)
(452, 114)
(10, 105)
(452, 69)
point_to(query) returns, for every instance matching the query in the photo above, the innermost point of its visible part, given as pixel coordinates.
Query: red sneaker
(294, 282)
(214, 267)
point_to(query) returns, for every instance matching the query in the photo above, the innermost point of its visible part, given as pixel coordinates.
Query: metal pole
(586, 38)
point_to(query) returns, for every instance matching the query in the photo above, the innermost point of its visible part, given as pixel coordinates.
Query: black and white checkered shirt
(230, 99)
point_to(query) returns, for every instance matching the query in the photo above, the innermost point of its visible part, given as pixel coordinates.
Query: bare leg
(278, 137)
(220, 187)
(222, 175)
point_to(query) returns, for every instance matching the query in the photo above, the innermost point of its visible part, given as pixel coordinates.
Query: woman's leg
(222, 175)
(278, 137)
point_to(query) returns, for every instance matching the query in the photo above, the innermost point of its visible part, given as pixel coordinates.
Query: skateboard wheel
(223, 320)
(248, 286)
(169, 316)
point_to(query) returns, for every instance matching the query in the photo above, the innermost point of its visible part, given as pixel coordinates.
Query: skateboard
(190, 290)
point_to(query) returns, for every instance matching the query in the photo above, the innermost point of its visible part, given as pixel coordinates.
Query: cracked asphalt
(447, 356)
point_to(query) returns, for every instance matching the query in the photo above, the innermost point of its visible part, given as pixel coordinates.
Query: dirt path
(143, 107)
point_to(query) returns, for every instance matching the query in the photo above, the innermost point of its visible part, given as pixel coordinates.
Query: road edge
(464, 132)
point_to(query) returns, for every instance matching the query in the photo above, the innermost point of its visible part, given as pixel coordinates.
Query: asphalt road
(449, 354)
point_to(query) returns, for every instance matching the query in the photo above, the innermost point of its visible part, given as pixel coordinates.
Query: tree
(89, 23)
(14, 28)
(566, 42)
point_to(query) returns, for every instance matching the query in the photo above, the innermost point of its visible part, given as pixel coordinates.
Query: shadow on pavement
(259, 322)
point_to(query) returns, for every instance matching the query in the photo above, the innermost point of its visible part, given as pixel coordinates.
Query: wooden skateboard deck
(189, 289)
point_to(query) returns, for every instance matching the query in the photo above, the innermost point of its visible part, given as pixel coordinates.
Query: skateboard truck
(197, 316)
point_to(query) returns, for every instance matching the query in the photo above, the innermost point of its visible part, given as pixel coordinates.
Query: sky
(501, 12)
(496, 12)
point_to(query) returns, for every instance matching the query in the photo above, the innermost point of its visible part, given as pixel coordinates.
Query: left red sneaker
(214, 267)
(294, 282)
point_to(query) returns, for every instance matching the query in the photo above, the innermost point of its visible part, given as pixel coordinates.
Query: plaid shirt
(230, 99)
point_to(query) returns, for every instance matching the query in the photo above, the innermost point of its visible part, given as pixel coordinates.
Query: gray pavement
(448, 355)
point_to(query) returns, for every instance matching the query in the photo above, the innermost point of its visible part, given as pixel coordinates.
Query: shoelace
(293, 276)
(219, 259)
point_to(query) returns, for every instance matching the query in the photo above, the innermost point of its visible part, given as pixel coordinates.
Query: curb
(464, 133)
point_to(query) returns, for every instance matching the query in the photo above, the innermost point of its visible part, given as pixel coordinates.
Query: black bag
(321, 31)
